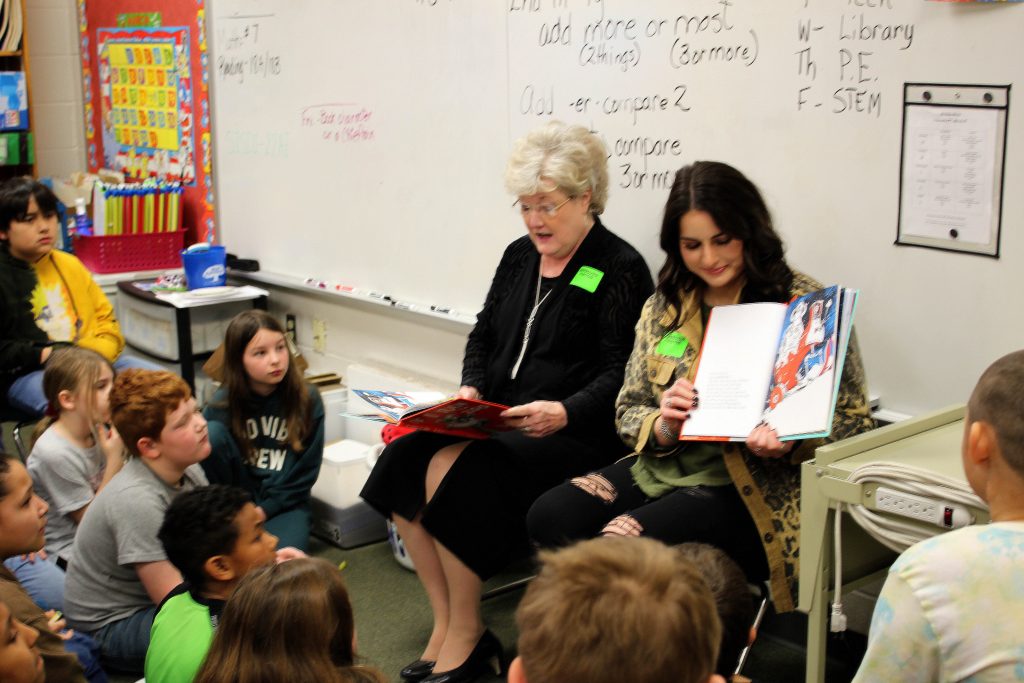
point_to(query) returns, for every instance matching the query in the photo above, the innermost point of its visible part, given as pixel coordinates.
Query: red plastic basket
(121, 253)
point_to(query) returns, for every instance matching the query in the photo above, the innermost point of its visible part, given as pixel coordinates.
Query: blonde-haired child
(79, 452)
(74, 456)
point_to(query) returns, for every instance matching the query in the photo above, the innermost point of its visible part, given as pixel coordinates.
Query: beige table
(930, 442)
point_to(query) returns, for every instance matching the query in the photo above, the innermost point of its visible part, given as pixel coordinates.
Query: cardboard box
(83, 186)
(13, 101)
(68, 191)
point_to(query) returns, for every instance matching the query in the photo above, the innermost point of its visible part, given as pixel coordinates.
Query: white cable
(837, 622)
(935, 492)
(896, 534)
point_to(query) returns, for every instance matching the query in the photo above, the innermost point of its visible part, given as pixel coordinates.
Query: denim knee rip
(596, 485)
(623, 525)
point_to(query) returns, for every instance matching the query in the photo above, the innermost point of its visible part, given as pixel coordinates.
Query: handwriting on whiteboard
(339, 122)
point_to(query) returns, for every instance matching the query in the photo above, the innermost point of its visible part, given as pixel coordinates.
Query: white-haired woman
(551, 341)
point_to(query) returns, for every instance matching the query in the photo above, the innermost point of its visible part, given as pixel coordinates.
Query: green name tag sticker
(587, 278)
(672, 345)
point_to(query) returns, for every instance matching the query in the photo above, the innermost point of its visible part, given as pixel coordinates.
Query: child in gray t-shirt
(78, 453)
(74, 457)
(119, 572)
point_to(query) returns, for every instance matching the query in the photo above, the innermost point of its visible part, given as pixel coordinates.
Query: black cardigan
(580, 341)
(21, 340)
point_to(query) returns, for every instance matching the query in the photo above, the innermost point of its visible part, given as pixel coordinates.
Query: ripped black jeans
(609, 502)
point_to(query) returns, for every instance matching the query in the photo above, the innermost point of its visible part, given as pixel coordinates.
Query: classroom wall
(362, 332)
(52, 28)
(955, 312)
(350, 126)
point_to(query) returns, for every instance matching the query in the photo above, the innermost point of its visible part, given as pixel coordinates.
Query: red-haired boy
(120, 572)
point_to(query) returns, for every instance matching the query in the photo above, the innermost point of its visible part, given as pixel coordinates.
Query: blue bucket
(205, 267)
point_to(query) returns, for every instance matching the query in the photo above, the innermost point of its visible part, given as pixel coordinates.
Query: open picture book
(432, 411)
(774, 363)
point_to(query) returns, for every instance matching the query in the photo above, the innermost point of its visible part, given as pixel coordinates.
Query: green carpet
(391, 610)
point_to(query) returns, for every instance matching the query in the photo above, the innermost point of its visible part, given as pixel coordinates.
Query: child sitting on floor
(616, 609)
(267, 426)
(75, 455)
(20, 659)
(22, 530)
(950, 608)
(287, 622)
(119, 572)
(214, 535)
(733, 602)
(78, 453)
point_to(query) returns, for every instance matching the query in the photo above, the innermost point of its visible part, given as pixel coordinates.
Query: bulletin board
(145, 92)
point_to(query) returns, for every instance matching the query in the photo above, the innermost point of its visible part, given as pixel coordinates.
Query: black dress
(578, 347)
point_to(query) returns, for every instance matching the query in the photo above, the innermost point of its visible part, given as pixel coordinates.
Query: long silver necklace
(537, 301)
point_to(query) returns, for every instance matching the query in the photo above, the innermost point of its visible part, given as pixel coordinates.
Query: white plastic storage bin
(339, 515)
(335, 400)
(151, 327)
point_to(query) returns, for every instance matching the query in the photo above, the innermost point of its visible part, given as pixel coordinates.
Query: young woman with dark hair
(720, 248)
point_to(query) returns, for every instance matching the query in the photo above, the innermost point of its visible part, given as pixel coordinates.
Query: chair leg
(761, 609)
(507, 588)
(19, 443)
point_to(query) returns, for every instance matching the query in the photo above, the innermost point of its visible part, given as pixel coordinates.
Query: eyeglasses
(549, 210)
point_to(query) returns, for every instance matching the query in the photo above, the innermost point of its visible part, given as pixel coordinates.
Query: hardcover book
(774, 363)
(433, 412)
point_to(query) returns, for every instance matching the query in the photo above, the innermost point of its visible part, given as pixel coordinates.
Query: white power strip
(939, 513)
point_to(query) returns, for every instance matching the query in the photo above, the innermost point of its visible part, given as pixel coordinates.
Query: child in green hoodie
(266, 426)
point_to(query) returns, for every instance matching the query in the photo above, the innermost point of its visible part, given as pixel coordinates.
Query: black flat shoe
(487, 655)
(418, 670)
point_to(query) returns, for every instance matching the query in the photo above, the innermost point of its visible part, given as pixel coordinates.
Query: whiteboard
(364, 143)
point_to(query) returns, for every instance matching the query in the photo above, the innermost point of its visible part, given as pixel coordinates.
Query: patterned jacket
(769, 488)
